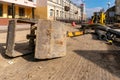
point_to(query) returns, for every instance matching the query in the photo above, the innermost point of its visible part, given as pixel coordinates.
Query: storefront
(13, 10)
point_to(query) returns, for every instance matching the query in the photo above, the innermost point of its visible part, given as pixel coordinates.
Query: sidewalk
(19, 26)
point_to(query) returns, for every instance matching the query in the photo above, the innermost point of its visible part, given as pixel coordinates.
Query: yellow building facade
(22, 9)
(27, 11)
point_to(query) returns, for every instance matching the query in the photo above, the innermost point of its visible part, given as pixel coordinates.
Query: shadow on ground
(24, 50)
(2, 51)
(20, 48)
(108, 60)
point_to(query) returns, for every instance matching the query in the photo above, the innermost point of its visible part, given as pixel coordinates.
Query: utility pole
(13, 10)
(108, 4)
(82, 10)
(70, 9)
(33, 12)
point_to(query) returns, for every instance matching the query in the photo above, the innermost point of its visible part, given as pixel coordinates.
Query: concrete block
(50, 39)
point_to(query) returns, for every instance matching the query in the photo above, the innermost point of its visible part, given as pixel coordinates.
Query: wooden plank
(28, 21)
(50, 40)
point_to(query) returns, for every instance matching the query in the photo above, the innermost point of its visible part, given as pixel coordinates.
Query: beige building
(57, 10)
(117, 2)
(117, 10)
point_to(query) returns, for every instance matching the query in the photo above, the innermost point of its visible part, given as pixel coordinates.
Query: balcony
(66, 8)
(31, 0)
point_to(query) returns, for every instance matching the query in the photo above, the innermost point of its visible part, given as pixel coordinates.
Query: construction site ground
(87, 59)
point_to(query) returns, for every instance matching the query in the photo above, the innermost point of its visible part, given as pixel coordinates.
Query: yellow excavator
(99, 17)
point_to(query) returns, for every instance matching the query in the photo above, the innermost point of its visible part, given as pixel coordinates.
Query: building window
(1, 10)
(9, 10)
(51, 12)
(21, 11)
(61, 13)
(57, 13)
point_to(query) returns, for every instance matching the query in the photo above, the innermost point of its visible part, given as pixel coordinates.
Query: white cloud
(90, 11)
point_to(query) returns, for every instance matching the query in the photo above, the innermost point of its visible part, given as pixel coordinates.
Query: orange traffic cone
(73, 24)
(90, 22)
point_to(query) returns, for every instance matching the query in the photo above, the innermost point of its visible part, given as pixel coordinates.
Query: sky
(94, 5)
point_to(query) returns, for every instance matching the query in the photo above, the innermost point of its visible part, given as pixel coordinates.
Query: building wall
(54, 10)
(28, 11)
(117, 7)
(41, 12)
(110, 15)
(117, 10)
(57, 8)
(41, 9)
(22, 2)
(28, 5)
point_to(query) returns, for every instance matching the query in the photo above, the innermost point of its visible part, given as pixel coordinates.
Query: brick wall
(4, 21)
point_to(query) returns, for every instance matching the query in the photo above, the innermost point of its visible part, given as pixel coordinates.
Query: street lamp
(82, 5)
(70, 9)
(108, 4)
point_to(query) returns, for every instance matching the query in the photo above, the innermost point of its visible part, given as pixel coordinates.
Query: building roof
(111, 9)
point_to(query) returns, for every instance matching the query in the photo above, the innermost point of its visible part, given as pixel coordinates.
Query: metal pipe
(110, 30)
(114, 31)
(103, 28)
